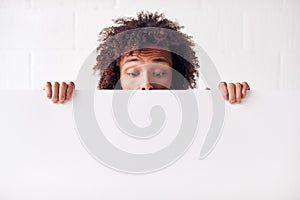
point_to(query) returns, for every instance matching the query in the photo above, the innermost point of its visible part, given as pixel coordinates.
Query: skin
(149, 69)
(59, 93)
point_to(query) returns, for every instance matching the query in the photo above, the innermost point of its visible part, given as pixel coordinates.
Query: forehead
(148, 52)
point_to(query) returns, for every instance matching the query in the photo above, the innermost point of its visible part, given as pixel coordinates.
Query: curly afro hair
(165, 34)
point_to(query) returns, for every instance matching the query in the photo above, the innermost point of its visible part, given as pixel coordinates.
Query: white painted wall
(253, 40)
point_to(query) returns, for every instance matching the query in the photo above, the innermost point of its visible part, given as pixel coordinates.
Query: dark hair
(108, 48)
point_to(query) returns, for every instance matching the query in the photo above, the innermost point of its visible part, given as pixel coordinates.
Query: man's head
(147, 69)
(150, 55)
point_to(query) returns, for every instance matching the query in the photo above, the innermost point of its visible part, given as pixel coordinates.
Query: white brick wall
(253, 40)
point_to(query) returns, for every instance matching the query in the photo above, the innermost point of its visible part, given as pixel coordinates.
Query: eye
(132, 74)
(159, 74)
(131, 60)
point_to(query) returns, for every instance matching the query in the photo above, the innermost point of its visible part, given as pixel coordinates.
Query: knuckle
(222, 83)
(238, 84)
(70, 90)
(55, 91)
(231, 85)
(245, 84)
(63, 84)
(71, 84)
(69, 95)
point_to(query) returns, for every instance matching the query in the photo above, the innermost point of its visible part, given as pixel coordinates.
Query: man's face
(148, 69)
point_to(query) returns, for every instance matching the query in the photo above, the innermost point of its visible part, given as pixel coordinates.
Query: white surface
(257, 157)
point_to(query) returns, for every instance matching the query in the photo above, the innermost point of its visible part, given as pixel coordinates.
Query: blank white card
(43, 154)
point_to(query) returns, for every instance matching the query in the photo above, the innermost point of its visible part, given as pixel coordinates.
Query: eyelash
(159, 60)
(155, 60)
(132, 60)
(155, 73)
(160, 73)
(132, 74)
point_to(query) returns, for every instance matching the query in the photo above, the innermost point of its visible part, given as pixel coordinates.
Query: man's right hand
(59, 93)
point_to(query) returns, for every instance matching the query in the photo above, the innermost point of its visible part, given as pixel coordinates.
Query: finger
(48, 90)
(246, 87)
(70, 91)
(62, 92)
(223, 89)
(231, 90)
(238, 92)
(55, 92)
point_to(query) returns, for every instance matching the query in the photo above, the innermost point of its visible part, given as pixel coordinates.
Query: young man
(150, 53)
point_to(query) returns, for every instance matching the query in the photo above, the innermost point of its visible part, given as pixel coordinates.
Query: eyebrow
(163, 59)
(128, 59)
(156, 59)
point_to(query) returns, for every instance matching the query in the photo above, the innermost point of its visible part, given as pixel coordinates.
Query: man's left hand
(234, 93)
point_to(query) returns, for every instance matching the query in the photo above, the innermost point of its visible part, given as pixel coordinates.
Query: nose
(145, 81)
(146, 86)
